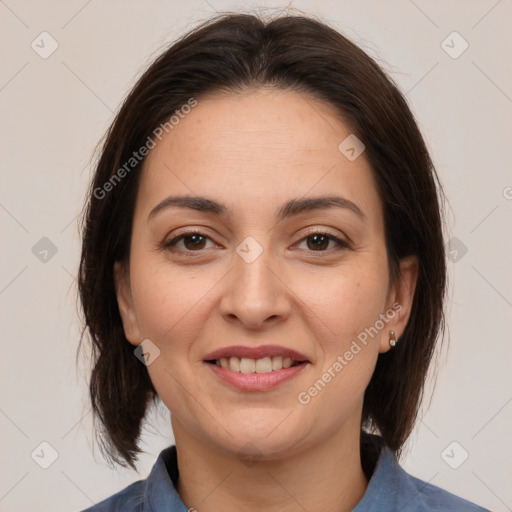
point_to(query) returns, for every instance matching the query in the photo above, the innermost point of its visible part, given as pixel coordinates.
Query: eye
(319, 242)
(195, 241)
(192, 241)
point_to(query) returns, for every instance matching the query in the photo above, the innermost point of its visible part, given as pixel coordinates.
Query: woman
(263, 252)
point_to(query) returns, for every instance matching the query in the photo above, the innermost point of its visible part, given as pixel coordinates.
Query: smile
(257, 374)
(263, 365)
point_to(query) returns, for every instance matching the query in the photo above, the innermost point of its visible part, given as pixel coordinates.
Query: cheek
(171, 307)
(346, 301)
(168, 298)
(345, 313)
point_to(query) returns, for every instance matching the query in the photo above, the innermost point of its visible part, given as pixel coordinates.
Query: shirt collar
(388, 489)
(160, 492)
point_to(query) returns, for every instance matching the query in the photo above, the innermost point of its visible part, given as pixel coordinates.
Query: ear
(400, 299)
(125, 303)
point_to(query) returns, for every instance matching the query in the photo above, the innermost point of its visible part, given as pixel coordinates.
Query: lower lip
(256, 381)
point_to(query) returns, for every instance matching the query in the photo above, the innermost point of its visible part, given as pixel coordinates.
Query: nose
(254, 294)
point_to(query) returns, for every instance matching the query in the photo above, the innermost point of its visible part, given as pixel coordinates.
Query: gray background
(55, 109)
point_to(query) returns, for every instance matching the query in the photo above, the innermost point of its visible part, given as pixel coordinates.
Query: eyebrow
(288, 209)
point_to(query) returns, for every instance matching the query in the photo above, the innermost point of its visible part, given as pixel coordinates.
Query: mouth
(254, 369)
(262, 365)
(256, 375)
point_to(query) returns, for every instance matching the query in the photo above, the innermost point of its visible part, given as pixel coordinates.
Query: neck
(324, 476)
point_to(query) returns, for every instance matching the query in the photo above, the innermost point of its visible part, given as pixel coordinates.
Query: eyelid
(342, 244)
(178, 236)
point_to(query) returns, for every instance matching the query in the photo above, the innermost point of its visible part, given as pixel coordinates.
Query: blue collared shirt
(390, 489)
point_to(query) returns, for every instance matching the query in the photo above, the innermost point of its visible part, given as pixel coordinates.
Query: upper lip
(255, 352)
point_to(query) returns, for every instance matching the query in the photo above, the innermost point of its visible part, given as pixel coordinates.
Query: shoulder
(155, 493)
(129, 499)
(427, 497)
(391, 488)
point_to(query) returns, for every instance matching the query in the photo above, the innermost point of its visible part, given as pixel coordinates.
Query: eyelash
(167, 245)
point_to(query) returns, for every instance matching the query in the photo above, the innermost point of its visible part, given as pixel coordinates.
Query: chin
(264, 440)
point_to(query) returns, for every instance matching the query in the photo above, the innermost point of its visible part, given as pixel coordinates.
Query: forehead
(253, 149)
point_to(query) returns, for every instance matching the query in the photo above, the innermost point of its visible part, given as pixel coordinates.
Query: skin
(253, 152)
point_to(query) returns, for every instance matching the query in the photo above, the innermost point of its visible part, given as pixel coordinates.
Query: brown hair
(236, 52)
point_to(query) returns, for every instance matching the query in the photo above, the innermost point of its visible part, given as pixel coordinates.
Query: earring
(392, 338)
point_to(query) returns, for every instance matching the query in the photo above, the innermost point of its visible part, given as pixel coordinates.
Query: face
(312, 277)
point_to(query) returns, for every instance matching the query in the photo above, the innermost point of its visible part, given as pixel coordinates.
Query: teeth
(247, 365)
(277, 362)
(264, 365)
(234, 364)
